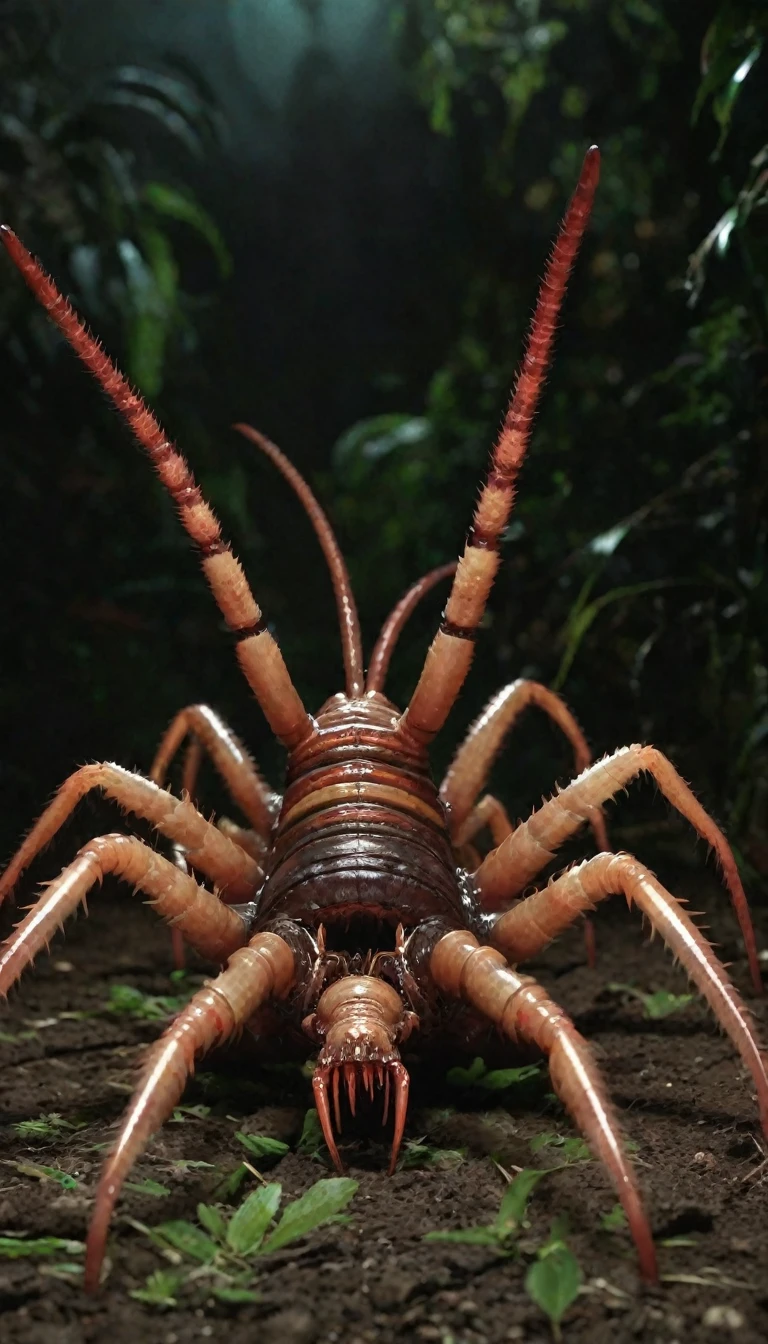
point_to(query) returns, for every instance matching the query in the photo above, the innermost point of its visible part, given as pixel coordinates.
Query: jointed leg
(263, 969)
(522, 1010)
(469, 770)
(209, 732)
(211, 927)
(488, 812)
(509, 868)
(212, 853)
(535, 921)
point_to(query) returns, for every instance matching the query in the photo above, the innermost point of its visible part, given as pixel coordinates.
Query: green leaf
(229, 1187)
(161, 1288)
(212, 1221)
(249, 1223)
(127, 1001)
(311, 1139)
(16, 1248)
(258, 1145)
(421, 1155)
(657, 1005)
(187, 1238)
(324, 1200)
(515, 1200)
(184, 208)
(469, 1236)
(500, 1079)
(148, 1187)
(44, 1126)
(553, 1282)
(47, 1174)
(615, 1221)
(235, 1295)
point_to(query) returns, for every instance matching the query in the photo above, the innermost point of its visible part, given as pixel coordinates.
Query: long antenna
(450, 654)
(349, 623)
(393, 626)
(257, 652)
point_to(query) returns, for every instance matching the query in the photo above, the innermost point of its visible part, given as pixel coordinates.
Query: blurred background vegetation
(335, 229)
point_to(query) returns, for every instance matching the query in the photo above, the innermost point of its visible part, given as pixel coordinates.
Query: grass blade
(325, 1199)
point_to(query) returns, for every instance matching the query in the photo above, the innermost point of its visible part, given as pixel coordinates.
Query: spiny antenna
(257, 651)
(393, 626)
(450, 654)
(349, 623)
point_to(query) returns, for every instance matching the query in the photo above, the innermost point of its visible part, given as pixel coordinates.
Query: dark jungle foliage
(634, 574)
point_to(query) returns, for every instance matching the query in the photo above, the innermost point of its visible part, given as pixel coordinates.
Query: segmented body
(362, 829)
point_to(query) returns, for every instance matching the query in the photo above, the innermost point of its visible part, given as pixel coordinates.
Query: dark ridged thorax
(362, 829)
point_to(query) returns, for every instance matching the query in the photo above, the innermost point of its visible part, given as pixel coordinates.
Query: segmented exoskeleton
(362, 840)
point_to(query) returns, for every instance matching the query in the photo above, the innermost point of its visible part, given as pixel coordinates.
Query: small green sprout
(127, 1001)
(494, 1080)
(148, 1187)
(222, 1246)
(571, 1150)
(259, 1145)
(17, 1248)
(40, 1173)
(508, 1222)
(311, 1141)
(422, 1155)
(554, 1279)
(615, 1220)
(46, 1126)
(160, 1290)
(181, 1113)
(657, 1005)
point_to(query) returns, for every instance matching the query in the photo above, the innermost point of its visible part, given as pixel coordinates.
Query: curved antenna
(392, 628)
(450, 654)
(349, 623)
(257, 652)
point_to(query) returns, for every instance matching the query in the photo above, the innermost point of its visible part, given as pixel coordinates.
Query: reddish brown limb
(523, 1011)
(508, 870)
(212, 928)
(488, 812)
(360, 1019)
(393, 626)
(349, 622)
(208, 850)
(450, 655)
(262, 970)
(208, 730)
(257, 652)
(523, 931)
(469, 770)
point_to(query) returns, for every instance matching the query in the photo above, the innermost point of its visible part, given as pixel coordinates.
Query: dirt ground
(685, 1100)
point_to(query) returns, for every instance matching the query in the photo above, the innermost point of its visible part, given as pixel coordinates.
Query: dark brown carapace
(356, 909)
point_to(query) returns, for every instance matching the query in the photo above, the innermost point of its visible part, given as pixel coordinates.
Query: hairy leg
(522, 1010)
(535, 921)
(263, 969)
(468, 773)
(212, 853)
(208, 731)
(488, 812)
(509, 868)
(215, 930)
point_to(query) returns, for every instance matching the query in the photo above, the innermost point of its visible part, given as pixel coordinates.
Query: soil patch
(685, 1100)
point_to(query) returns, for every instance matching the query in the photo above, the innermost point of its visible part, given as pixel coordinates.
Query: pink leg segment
(229, 756)
(469, 770)
(212, 853)
(207, 924)
(523, 1011)
(488, 812)
(263, 969)
(534, 922)
(507, 870)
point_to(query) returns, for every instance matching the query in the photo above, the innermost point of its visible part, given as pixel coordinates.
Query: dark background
(329, 219)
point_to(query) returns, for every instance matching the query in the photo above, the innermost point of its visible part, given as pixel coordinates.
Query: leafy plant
(259, 1145)
(477, 1076)
(417, 1154)
(507, 1224)
(657, 1005)
(46, 1126)
(41, 1173)
(554, 1279)
(19, 1248)
(225, 1245)
(128, 1001)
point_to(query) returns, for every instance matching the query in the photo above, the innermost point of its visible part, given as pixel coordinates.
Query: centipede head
(360, 1020)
